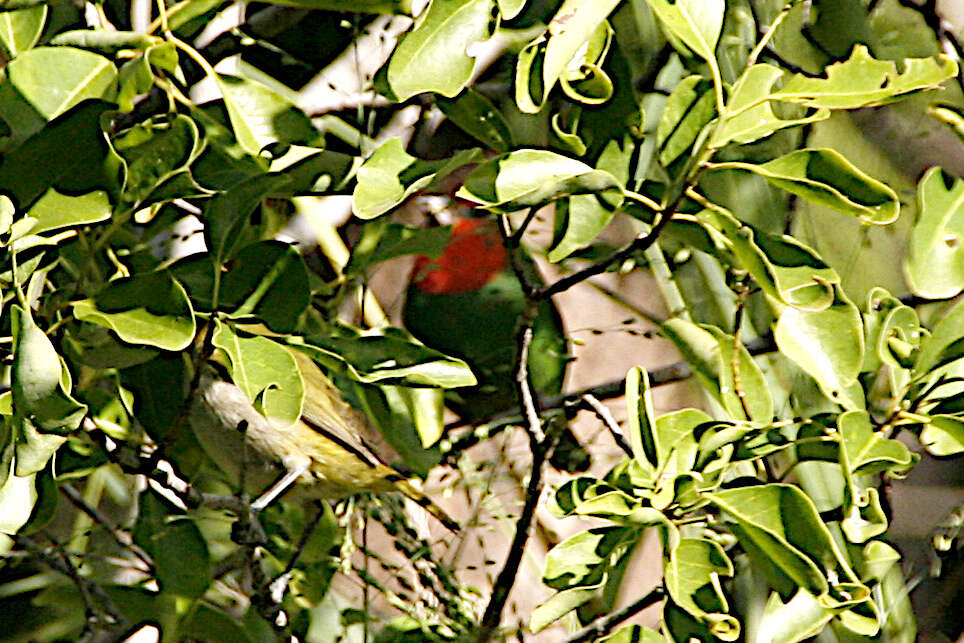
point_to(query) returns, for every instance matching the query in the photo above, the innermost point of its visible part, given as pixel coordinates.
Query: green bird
(467, 303)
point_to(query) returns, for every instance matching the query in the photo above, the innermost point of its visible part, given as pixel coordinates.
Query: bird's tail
(406, 489)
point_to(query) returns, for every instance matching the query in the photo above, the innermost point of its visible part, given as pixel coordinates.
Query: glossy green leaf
(724, 367)
(364, 6)
(153, 152)
(54, 211)
(397, 240)
(475, 114)
(935, 261)
(781, 521)
(641, 416)
(20, 30)
(363, 354)
(269, 280)
(42, 405)
(227, 216)
(829, 345)
(943, 435)
(581, 217)
(136, 77)
(266, 371)
(749, 116)
(260, 116)
(865, 451)
(105, 42)
(433, 57)
(18, 495)
(634, 634)
(181, 558)
(531, 178)
(945, 344)
(800, 618)
(692, 578)
(689, 108)
(44, 82)
(576, 36)
(579, 567)
(696, 22)
(782, 266)
(827, 178)
(391, 175)
(44, 161)
(877, 559)
(151, 309)
(862, 81)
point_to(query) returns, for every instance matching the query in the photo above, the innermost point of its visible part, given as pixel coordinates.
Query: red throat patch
(473, 257)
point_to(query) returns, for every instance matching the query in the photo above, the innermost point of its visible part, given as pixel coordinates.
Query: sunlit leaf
(433, 57)
(935, 258)
(692, 580)
(20, 30)
(688, 109)
(827, 178)
(943, 435)
(265, 371)
(696, 22)
(531, 178)
(862, 81)
(829, 345)
(150, 309)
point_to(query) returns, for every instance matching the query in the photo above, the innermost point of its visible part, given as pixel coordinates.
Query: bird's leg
(280, 486)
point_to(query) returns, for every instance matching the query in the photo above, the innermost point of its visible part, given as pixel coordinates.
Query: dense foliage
(170, 188)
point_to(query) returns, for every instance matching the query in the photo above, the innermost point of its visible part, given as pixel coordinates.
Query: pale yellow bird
(325, 454)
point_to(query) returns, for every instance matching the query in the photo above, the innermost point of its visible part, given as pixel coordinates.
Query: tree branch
(605, 625)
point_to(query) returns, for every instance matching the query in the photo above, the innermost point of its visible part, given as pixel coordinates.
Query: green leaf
(945, 344)
(269, 280)
(827, 178)
(44, 161)
(18, 495)
(641, 416)
(634, 634)
(943, 435)
(800, 618)
(829, 345)
(862, 81)
(710, 352)
(40, 382)
(578, 37)
(781, 521)
(749, 115)
(360, 6)
(531, 178)
(154, 152)
(20, 30)
(181, 558)
(935, 260)
(688, 109)
(783, 267)
(579, 567)
(475, 114)
(696, 22)
(44, 82)
(391, 175)
(581, 217)
(387, 356)
(260, 115)
(432, 57)
(397, 240)
(692, 577)
(266, 372)
(104, 41)
(150, 309)
(227, 215)
(136, 76)
(54, 211)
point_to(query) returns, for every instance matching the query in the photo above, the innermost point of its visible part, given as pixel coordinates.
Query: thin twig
(604, 414)
(605, 625)
(100, 607)
(121, 537)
